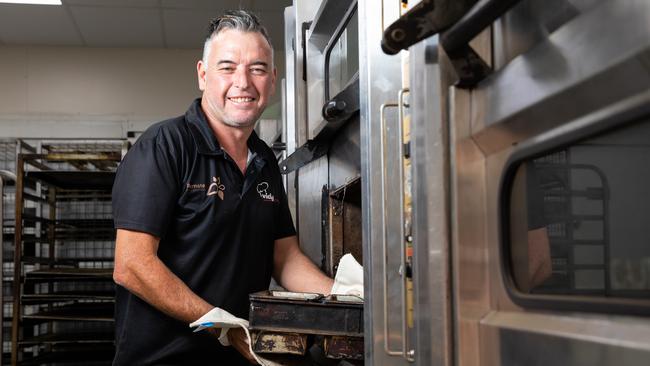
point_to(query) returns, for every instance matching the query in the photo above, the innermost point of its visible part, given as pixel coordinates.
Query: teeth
(241, 100)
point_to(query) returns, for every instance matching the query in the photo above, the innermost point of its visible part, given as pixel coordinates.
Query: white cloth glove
(349, 277)
(219, 318)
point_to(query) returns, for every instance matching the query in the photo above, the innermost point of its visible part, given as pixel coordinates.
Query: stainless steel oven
(548, 163)
(495, 174)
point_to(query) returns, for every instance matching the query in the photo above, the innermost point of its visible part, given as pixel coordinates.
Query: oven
(493, 180)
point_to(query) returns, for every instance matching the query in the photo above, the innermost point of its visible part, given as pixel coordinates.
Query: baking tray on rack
(306, 313)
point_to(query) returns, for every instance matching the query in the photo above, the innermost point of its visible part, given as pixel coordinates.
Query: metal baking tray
(306, 313)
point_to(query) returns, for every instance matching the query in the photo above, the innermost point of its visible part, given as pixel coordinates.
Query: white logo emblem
(262, 190)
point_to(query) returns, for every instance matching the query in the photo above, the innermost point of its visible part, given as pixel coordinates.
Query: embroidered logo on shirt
(195, 187)
(216, 188)
(262, 190)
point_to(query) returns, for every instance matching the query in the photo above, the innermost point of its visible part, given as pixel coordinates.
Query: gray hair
(241, 20)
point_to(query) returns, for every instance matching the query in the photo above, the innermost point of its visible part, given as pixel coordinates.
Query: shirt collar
(204, 138)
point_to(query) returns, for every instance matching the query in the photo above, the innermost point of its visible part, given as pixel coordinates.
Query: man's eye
(226, 69)
(258, 71)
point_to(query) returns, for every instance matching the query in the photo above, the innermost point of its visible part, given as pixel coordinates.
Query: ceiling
(128, 23)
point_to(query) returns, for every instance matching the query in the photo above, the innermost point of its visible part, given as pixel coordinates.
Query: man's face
(238, 79)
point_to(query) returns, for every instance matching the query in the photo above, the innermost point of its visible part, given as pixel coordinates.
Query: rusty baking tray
(306, 313)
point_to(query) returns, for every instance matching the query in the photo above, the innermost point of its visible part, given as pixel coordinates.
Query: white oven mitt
(349, 277)
(219, 318)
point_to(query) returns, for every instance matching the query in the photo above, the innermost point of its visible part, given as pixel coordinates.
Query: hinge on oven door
(425, 19)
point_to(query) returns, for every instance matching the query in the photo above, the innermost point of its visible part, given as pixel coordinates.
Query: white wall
(67, 90)
(74, 92)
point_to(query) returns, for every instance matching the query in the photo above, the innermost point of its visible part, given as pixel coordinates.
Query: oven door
(549, 165)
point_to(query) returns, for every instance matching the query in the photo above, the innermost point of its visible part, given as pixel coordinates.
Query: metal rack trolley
(63, 258)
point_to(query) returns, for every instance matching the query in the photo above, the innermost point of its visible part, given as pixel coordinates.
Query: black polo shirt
(216, 227)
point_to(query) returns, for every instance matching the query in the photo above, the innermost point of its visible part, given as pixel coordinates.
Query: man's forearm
(295, 272)
(138, 269)
(302, 275)
(158, 286)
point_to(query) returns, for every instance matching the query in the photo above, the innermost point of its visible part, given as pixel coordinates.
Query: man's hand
(238, 340)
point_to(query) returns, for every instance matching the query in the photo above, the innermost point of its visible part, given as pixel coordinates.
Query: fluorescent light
(38, 2)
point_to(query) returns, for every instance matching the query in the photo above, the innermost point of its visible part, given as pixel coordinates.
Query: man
(201, 215)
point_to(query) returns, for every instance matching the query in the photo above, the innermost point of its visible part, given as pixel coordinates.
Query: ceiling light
(38, 2)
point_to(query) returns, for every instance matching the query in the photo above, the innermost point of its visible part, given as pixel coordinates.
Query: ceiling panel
(207, 4)
(114, 3)
(185, 28)
(127, 23)
(120, 27)
(37, 25)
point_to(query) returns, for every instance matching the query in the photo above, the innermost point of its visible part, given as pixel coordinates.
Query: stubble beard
(236, 123)
(229, 121)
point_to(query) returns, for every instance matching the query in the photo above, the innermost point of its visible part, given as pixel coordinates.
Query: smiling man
(201, 214)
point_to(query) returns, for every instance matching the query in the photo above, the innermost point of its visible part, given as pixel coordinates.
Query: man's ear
(200, 74)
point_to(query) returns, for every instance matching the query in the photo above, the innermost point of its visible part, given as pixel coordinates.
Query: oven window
(342, 60)
(579, 218)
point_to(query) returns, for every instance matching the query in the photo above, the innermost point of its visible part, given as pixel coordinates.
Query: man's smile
(241, 99)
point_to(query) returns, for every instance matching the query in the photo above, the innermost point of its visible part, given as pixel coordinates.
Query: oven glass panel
(580, 218)
(344, 57)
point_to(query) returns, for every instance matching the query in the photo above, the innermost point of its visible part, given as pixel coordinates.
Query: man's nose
(241, 78)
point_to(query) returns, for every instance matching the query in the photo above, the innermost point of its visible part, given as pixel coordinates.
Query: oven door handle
(405, 352)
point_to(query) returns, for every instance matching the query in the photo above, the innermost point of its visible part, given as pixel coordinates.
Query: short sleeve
(145, 188)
